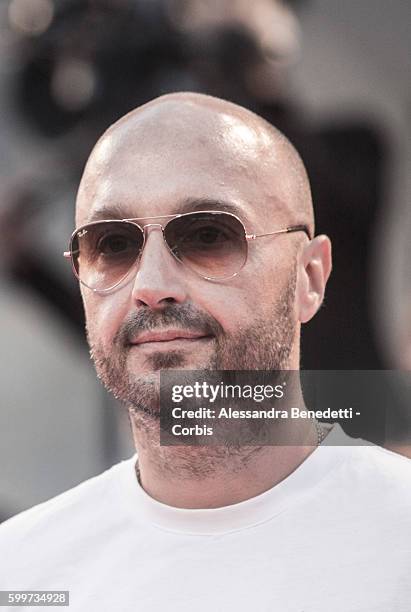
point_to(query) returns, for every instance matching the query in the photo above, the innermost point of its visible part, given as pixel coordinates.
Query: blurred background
(333, 76)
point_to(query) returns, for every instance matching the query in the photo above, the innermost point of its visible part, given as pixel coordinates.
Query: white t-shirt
(334, 536)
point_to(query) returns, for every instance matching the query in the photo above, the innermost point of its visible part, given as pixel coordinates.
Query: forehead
(159, 163)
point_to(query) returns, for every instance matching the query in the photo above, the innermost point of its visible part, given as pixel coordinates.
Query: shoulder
(367, 474)
(70, 510)
(384, 466)
(377, 482)
(44, 545)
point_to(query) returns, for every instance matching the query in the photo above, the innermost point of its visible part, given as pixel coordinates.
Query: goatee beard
(264, 345)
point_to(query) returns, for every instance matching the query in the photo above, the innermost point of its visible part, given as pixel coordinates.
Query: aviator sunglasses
(212, 244)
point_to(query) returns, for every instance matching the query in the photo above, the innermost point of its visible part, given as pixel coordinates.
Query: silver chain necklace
(320, 433)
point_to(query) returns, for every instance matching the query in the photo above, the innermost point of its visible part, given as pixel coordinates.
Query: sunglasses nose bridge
(151, 225)
(148, 228)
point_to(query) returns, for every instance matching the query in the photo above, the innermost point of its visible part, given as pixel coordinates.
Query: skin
(191, 146)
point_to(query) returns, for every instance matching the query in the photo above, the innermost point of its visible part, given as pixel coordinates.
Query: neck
(215, 476)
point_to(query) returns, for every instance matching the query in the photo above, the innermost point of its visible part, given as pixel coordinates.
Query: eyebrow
(106, 212)
(117, 211)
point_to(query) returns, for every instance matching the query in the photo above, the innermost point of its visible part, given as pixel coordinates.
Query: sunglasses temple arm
(287, 230)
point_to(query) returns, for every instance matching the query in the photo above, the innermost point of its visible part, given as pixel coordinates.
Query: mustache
(183, 316)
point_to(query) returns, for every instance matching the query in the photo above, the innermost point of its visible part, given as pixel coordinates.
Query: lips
(167, 336)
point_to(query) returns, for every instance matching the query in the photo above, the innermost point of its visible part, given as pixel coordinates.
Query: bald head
(184, 153)
(213, 146)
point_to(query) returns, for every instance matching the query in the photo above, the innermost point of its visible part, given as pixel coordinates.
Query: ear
(314, 269)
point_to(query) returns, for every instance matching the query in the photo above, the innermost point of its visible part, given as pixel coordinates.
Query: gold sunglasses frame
(70, 254)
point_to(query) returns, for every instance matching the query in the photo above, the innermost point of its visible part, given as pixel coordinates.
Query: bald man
(195, 250)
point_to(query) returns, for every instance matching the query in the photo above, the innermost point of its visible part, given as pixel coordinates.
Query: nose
(159, 280)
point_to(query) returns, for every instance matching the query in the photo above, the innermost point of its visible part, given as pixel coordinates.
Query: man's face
(249, 322)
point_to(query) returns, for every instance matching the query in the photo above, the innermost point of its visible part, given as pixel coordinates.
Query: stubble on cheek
(128, 387)
(131, 375)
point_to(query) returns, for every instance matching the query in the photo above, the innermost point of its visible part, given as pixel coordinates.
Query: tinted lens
(104, 252)
(212, 244)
